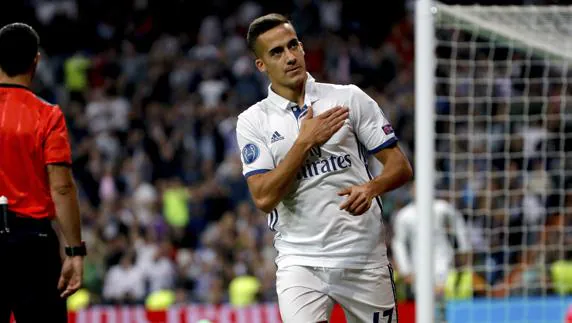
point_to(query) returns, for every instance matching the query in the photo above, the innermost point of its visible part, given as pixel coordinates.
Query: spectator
(124, 282)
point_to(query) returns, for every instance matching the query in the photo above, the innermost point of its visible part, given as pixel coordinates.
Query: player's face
(281, 56)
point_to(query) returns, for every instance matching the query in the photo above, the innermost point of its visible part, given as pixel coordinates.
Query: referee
(36, 187)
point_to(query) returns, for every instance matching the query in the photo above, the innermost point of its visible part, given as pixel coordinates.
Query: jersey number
(387, 313)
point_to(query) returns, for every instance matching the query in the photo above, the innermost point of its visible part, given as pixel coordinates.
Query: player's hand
(317, 130)
(359, 199)
(71, 278)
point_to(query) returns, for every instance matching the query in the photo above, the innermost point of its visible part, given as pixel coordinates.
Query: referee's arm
(64, 195)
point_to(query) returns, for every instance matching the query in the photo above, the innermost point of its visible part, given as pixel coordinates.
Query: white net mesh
(504, 158)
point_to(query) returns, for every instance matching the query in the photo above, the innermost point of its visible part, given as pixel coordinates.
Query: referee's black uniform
(29, 271)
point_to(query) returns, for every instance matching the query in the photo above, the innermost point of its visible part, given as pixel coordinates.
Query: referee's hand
(71, 277)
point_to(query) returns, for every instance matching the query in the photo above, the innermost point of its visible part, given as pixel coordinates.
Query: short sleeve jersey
(33, 134)
(310, 228)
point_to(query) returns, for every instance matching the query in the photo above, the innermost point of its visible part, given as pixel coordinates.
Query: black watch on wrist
(76, 250)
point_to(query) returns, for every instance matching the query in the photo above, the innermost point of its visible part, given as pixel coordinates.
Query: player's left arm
(396, 172)
(401, 237)
(375, 132)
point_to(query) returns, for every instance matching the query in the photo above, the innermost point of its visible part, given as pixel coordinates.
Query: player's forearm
(463, 241)
(461, 231)
(401, 258)
(271, 187)
(67, 212)
(396, 172)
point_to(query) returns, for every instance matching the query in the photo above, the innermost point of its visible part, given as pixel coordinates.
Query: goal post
(493, 131)
(424, 151)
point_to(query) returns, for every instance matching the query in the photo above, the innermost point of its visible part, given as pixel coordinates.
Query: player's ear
(35, 64)
(37, 59)
(260, 65)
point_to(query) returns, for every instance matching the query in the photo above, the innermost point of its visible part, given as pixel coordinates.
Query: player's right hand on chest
(317, 130)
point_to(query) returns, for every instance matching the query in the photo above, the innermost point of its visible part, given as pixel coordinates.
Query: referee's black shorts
(30, 266)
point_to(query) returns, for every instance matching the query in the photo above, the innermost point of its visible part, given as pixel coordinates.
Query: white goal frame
(425, 98)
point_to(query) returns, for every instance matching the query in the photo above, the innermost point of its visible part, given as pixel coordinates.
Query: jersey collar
(284, 103)
(14, 85)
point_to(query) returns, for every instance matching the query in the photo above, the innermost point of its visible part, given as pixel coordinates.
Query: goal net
(504, 158)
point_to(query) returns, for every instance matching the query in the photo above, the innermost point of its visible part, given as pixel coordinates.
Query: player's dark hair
(18, 48)
(261, 25)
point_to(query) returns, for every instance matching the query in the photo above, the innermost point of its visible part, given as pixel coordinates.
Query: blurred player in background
(304, 152)
(450, 234)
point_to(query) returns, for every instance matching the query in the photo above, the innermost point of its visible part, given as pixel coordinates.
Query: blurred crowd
(151, 91)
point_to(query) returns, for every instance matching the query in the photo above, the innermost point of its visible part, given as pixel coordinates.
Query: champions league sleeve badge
(250, 153)
(387, 129)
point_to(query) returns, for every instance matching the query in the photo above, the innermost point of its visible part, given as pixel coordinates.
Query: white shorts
(308, 294)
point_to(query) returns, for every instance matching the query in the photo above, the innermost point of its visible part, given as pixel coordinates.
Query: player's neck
(22, 79)
(292, 94)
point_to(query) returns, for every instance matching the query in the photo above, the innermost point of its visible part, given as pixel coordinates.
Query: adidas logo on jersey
(275, 137)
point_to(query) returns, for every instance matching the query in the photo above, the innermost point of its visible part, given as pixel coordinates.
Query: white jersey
(447, 223)
(311, 230)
